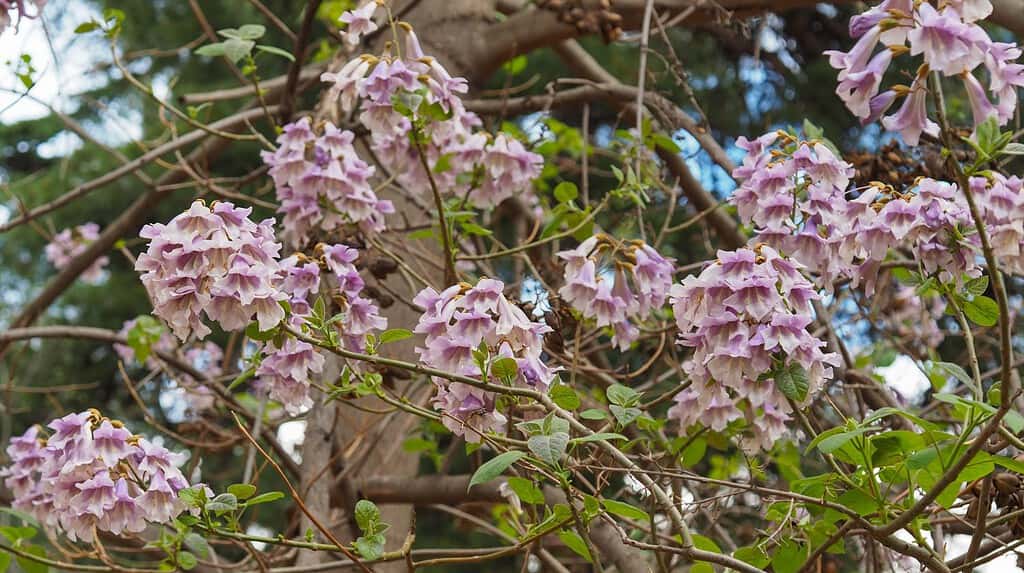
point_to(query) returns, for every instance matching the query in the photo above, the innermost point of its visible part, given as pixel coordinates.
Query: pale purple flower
(124, 515)
(912, 118)
(359, 22)
(70, 243)
(744, 315)
(111, 443)
(948, 44)
(159, 502)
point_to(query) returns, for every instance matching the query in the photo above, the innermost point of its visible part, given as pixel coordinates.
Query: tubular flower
(91, 474)
(468, 328)
(322, 183)
(618, 284)
(396, 93)
(947, 38)
(746, 318)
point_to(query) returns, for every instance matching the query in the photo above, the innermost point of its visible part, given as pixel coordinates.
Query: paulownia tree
(524, 309)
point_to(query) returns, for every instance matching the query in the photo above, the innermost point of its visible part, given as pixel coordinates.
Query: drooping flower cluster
(321, 183)
(1001, 202)
(213, 262)
(396, 92)
(746, 318)
(17, 7)
(92, 474)
(950, 42)
(69, 243)
(617, 283)
(285, 371)
(795, 192)
(459, 323)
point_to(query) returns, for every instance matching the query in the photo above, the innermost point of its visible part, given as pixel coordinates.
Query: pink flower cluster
(91, 474)
(746, 318)
(463, 320)
(950, 42)
(69, 243)
(461, 158)
(794, 192)
(213, 262)
(617, 283)
(285, 371)
(321, 183)
(18, 8)
(1001, 202)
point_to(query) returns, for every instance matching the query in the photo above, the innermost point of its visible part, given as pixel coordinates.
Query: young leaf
(565, 397)
(792, 382)
(549, 448)
(394, 335)
(573, 541)
(622, 509)
(265, 498)
(242, 490)
(527, 491)
(494, 467)
(367, 515)
(505, 368)
(982, 310)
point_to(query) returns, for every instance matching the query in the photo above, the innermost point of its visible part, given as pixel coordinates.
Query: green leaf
(276, 51)
(370, 547)
(474, 229)
(573, 541)
(1013, 149)
(17, 534)
(526, 490)
(624, 416)
(593, 414)
(265, 498)
(549, 448)
(622, 395)
(83, 28)
(565, 397)
(494, 467)
(622, 509)
(665, 142)
(211, 50)
(394, 335)
(788, 557)
(186, 560)
(566, 191)
(30, 566)
(236, 49)
(251, 32)
(833, 443)
(705, 543)
(143, 335)
(367, 515)
(5, 561)
(982, 311)
(598, 437)
(792, 381)
(197, 544)
(812, 131)
(253, 332)
(859, 502)
(977, 286)
(1009, 463)
(242, 490)
(954, 370)
(505, 368)
(752, 555)
(223, 502)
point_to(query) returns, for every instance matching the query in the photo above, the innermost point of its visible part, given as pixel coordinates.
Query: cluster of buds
(587, 17)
